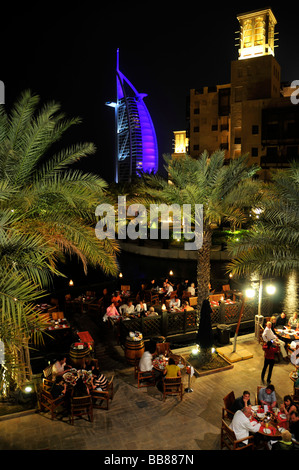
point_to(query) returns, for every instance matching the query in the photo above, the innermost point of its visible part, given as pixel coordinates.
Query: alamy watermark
(135, 222)
(294, 98)
(2, 93)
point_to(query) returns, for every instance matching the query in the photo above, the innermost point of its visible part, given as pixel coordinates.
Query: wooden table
(275, 425)
(159, 363)
(287, 334)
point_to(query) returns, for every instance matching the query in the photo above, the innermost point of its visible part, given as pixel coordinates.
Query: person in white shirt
(59, 367)
(295, 356)
(146, 362)
(141, 308)
(268, 335)
(191, 289)
(127, 309)
(241, 424)
(168, 289)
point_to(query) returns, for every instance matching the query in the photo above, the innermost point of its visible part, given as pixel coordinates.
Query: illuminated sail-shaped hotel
(136, 142)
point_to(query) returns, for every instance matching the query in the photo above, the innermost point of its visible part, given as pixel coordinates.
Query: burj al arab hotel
(136, 142)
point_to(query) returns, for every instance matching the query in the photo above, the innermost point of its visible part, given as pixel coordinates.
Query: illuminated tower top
(257, 36)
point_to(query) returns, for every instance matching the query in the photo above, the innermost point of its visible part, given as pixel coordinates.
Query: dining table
(160, 362)
(72, 375)
(287, 334)
(272, 422)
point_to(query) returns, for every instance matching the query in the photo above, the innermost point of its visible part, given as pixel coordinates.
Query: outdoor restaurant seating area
(132, 332)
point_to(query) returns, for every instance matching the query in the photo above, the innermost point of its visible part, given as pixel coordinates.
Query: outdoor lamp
(250, 293)
(270, 289)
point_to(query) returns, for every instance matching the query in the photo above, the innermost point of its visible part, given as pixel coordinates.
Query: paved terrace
(138, 419)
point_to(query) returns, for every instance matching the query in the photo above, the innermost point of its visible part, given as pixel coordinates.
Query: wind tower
(257, 34)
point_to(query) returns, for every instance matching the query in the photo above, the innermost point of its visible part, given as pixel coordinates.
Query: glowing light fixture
(250, 293)
(270, 289)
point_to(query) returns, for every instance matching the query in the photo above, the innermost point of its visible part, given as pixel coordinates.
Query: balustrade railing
(174, 323)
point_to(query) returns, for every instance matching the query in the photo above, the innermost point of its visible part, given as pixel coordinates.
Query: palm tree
(226, 193)
(22, 264)
(36, 179)
(47, 212)
(271, 247)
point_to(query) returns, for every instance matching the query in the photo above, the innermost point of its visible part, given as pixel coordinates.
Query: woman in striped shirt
(99, 381)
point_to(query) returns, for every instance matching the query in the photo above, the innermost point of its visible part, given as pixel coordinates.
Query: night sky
(67, 52)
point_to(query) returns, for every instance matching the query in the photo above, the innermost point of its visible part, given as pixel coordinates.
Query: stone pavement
(138, 419)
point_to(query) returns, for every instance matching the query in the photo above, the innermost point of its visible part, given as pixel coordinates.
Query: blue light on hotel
(136, 142)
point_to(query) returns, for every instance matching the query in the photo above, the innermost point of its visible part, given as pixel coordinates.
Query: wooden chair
(228, 401)
(228, 439)
(103, 395)
(48, 372)
(47, 385)
(49, 403)
(154, 299)
(192, 301)
(262, 329)
(186, 295)
(81, 406)
(172, 386)
(146, 378)
(257, 401)
(163, 348)
(295, 397)
(125, 288)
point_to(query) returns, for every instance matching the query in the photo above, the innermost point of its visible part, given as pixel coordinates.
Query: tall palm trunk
(204, 268)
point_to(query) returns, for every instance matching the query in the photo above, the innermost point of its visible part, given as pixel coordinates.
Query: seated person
(288, 406)
(293, 321)
(295, 356)
(58, 388)
(112, 311)
(186, 306)
(127, 309)
(241, 402)
(98, 381)
(105, 300)
(80, 389)
(281, 320)
(141, 309)
(168, 289)
(267, 396)
(116, 299)
(152, 313)
(175, 303)
(242, 426)
(59, 367)
(285, 443)
(294, 424)
(191, 289)
(146, 360)
(171, 369)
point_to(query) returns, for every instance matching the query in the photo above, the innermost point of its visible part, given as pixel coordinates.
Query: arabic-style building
(254, 114)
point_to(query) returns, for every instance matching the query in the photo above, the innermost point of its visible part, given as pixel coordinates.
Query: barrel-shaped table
(80, 357)
(133, 350)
